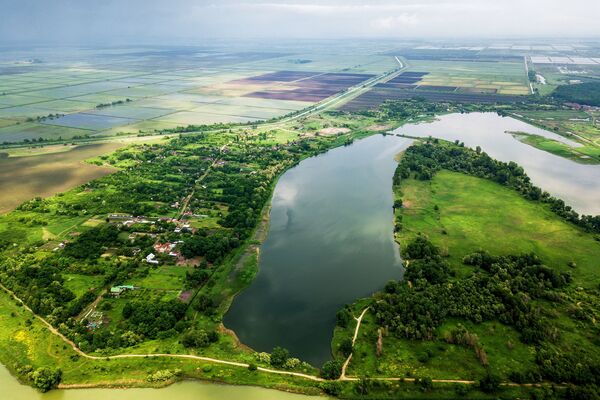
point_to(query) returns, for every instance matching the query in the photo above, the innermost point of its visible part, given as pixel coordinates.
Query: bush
(263, 357)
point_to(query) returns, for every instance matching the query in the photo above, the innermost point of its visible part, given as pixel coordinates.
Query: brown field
(303, 86)
(22, 178)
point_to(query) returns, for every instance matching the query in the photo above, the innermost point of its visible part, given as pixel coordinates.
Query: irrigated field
(140, 90)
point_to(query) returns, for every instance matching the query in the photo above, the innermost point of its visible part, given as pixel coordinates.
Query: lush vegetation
(197, 204)
(582, 93)
(425, 160)
(520, 311)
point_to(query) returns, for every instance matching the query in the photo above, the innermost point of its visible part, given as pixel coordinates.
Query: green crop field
(502, 77)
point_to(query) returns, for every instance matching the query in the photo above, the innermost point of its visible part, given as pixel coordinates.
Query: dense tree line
(500, 289)
(150, 318)
(422, 161)
(582, 93)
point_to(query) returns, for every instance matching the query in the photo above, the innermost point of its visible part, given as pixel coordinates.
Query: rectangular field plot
(378, 95)
(132, 112)
(499, 77)
(89, 121)
(33, 130)
(310, 89)
(137, 127)
(67, 106)
(265, 103)
(7, 122)
(198, 118)
(143, 91)
(12, 100)
(78, 90)
(23, 112)
(240, 111)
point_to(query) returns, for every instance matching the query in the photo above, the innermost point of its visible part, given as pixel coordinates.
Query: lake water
(577, 184)
(330, 242)
(13, 390)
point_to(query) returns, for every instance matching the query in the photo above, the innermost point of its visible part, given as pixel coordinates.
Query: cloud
(157, 21)
(394, 22)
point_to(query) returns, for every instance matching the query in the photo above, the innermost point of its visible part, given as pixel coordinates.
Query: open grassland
(474, 213)
(462, 214)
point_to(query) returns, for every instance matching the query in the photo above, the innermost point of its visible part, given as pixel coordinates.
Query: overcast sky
(153, 21)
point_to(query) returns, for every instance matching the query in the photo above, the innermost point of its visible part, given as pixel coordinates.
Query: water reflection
(330, 242)
(577, 184)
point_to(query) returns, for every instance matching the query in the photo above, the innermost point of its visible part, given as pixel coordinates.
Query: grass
(475, 213)
(586, 154)
(471, 214)
(164, 277)
(80, 284)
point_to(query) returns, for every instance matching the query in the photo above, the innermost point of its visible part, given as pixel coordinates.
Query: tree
(279, 356)
(45, 379)
(332, 369)
(490, 383)
(346, 347)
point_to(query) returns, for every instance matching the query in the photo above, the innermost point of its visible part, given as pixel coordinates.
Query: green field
(474, 213)
(462, 214)
(500, 77)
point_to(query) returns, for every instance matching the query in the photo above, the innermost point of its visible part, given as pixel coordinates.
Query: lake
(13, 390)
(330, 242)
(577, 184)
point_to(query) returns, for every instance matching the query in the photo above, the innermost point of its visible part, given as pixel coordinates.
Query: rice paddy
(128, 91)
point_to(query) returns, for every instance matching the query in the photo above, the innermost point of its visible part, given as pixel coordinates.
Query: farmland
(47, 174)
(133, 91)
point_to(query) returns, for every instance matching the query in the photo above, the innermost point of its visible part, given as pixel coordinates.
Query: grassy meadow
(462, 214)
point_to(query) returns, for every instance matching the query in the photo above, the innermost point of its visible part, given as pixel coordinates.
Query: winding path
(342, 377)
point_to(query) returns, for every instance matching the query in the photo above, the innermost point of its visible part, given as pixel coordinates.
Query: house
(116, 291)
(164, 247)
(151, 259)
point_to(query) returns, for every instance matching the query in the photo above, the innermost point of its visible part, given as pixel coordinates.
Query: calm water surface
(330, 241)
(577, 184)
(11, 389)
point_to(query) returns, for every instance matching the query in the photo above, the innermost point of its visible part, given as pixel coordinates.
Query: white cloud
(394, 22)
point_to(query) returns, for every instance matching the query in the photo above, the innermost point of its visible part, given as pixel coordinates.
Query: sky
(153, 21)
